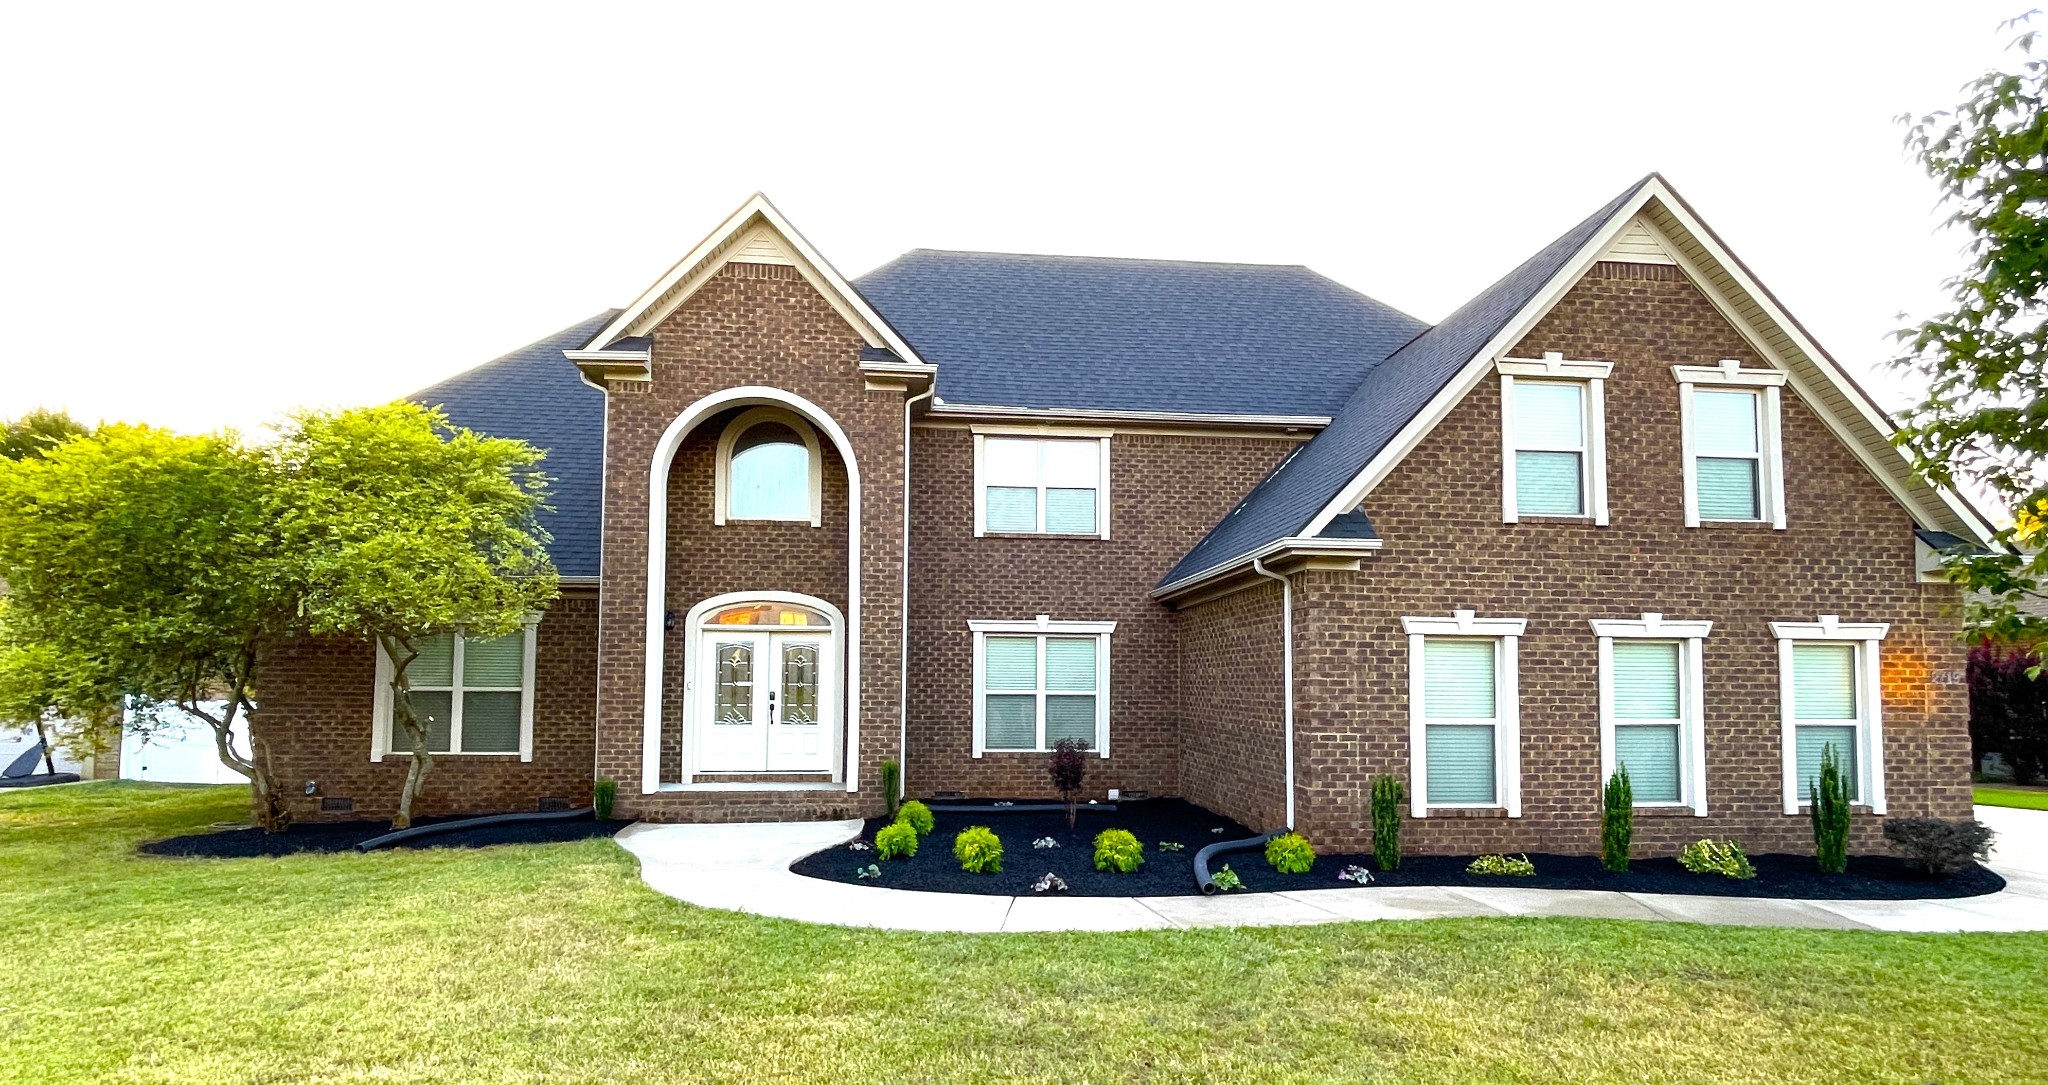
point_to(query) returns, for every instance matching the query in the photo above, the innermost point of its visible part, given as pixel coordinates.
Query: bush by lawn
(2019, 798)
(553, 962)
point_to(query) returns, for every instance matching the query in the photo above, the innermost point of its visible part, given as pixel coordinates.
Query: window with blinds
(469, 691)
(1727, 454)
(1461, 714)
(1825, 711)
(1649, 718)
(1039, 689)
(1042, 486)
(1550, 447)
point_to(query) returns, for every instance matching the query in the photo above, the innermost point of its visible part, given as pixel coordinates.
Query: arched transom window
(769, 468)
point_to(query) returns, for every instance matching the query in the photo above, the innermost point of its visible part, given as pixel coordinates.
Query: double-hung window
(474, 695)
(1038, 682)
(1041, 485)
(1734, 471)
(1464, 723)
(1830, 697)
(1553, 438)
(1650, 708)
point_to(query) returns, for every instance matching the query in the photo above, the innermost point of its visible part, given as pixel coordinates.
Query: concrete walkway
(745, 868)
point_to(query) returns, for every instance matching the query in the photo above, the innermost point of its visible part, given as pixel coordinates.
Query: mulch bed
(336, 836)
(934, 868)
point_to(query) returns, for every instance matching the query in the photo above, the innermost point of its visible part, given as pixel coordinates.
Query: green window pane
(1547, 484)
(1549, 415)
(1460, 764)
(1824, 681)
(436, 663)
(1070, 512)
(799, 683)
(733, 686)
(1727, 489)
(1070, 663)
(1724, 423)
(1069, 717)
(490, 723)
(1645, 680)
(1811, 741)
(495, 661)
(1457, 679)
(1011, 508)
(1650, 754)
(433, 708)
(1010, 722)
(1010, 663)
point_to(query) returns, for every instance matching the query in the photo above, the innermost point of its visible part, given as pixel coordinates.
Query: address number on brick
(1949, 676)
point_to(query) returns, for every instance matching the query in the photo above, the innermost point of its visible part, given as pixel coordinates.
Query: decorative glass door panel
(798, 739)
(766, 701)
(734, 701)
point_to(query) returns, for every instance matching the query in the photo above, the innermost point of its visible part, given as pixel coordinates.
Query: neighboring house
(1255, 537)
(173, 747)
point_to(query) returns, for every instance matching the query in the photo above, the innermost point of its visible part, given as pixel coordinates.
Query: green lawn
(2017, 797)
(554, 963)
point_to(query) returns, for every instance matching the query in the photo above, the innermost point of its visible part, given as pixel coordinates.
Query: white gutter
(903, 672)
(942, 409)
(1287, 668)
(1293, 543)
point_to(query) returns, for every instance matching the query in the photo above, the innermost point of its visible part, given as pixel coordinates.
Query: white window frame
(380, 724)
(1041, 627)
(1507, 698)
(1102, 516)
(1869, 705)
(737, 428)
(1554, 368)
(1766, 384)
(1690, 636)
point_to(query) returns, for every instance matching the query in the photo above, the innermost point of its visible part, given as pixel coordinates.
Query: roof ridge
(1154, 260)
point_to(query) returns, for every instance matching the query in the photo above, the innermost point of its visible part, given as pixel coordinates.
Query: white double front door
(765, 700)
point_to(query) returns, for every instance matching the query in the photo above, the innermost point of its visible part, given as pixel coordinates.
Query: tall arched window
(769, 468)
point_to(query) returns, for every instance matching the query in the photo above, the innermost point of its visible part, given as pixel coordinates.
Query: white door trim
(831, 700)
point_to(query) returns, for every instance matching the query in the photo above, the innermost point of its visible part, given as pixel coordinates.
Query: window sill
(1665, 810)
(1040, 535)
(1525, 518)
(999, 753)
(1467, 812)
(1734, 523)
(512, 756)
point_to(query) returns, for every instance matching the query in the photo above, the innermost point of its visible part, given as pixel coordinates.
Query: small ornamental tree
(36, 432)
(145, 562)
(1829, 795)
(1069, 770)
(1617, 821)
(403, 527)
(65, 705)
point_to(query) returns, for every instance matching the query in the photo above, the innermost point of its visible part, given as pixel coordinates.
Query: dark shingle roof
(1391, 394)
(1145, 335)
(536, 395)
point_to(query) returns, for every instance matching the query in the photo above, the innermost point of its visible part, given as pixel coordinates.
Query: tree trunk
(268, 809)
(49, 753)
(402, 653)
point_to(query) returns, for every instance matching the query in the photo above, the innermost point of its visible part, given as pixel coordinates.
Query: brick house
(1253, 536)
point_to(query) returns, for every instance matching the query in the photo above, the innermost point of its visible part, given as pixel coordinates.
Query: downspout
(1287, 668)
(903, 661)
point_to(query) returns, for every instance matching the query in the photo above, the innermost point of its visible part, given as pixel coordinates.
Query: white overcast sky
(211, 214)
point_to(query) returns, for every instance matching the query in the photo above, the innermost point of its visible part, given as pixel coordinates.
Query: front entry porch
(762, 696)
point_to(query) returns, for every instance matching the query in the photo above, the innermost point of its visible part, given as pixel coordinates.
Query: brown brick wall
(1165, 492)
(750, 324)
(1848, 551)
(1231, 703)
(317, 697)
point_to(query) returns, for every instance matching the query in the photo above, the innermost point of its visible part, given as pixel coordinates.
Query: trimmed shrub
(1617, 821)
(1830, 813)
(1069, 769)
(1226, 880)
(916, 815)
(1709, 857)
(1501, 864)
(1388, 794)
(2008, 710)
(1939, 846)
(602, 795)
(979, 850)
(1290, 854)
(1118, 851)
(897, 840)
(892, 787)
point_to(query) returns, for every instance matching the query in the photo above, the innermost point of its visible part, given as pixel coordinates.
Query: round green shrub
(896, 841)
(1710, 857)
(979, 850)
(917, 815)
(1119, 851)
(1290, 854)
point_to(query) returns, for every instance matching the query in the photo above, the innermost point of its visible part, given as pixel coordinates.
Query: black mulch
(336, 836)
(1869, 877)
(934, 868)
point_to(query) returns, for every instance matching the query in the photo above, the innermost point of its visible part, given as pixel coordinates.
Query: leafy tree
(1985, 360)
(401, 527)
(1069, 769)
(36, 431)
(140, 561)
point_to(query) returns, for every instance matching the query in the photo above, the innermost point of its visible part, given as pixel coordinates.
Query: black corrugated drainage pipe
(1025, 808)
(1206, 882)
(439, 827)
